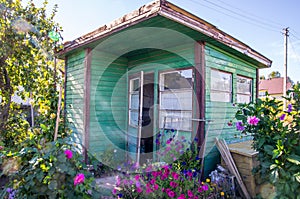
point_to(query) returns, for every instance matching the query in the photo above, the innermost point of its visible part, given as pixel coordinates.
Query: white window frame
(220, 91)
(173, 122)
(248, 94)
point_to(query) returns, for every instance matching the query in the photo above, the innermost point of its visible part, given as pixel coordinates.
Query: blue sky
(258, 23)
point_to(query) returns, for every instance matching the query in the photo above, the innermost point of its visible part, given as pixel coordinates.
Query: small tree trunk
(7, 92)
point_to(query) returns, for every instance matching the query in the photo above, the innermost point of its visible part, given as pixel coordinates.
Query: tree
(262, 77)
(274, 74)
(28, 38)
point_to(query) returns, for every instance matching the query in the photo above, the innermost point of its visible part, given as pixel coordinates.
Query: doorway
(141, 122)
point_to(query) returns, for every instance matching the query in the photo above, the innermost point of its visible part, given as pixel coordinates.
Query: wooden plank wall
(108, 102)
(222, 112)
(75, 93)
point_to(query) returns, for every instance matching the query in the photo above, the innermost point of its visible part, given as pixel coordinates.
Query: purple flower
(282, 116)
(205, 187)
(290, 108)
(253, 120)
(239, 126)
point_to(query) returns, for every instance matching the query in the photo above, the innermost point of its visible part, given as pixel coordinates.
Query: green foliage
(27, 60)
(277, 139)
(45, 171)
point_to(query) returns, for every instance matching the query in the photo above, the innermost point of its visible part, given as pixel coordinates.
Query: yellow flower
(222, 193)
(52, 115)
(207, 180)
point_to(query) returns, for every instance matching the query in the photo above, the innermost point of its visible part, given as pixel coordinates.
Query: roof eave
(174, 13)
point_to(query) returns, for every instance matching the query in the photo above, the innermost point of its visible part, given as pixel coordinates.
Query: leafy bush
(277, 139)
(49, 170)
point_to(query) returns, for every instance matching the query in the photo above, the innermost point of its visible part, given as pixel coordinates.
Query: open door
(140, 117)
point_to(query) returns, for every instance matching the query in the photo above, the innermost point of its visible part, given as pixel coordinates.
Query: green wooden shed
(154, 71)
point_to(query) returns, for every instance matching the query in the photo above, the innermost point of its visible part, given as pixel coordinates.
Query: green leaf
(269, 149)
(52, 185)
(44, 127)
(295, 159)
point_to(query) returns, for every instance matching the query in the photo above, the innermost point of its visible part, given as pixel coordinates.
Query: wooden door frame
(199, 58)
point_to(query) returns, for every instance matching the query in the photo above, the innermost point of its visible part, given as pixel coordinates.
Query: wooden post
(86, 101)
(58, 113)
(200, 89)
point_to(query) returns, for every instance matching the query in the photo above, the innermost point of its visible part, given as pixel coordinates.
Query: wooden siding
(108, 102)
(75, 95)
(222, 112)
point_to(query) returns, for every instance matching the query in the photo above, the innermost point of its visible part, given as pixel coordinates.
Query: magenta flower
(139, 189)
(171, 194)
(68, 153)
(190, 193)
(239, 126)
(173, 184)
(205, 187)
(175, 175)
(155, 186)
(253, 120)
(137, 177)
(282, 117)
(182, 196)
(79, 179)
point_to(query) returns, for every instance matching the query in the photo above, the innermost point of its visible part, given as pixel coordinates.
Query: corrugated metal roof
(174, 13)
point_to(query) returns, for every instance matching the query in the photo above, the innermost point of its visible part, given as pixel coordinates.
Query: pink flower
(1, 147)
(190, 193)
(253, 120)
(79, 179)
(182, 196)
(148, 190)
(155, 186)
(171, 194)
(69, 154)
(114, 191)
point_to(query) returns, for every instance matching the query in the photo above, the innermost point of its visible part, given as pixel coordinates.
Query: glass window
(134, 99)
(244, 89)
(176, 100)
(220, 86)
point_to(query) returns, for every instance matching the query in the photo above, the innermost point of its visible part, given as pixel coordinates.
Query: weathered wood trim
(86, 101)
(65, 91)
(200, 88)
(257, 84)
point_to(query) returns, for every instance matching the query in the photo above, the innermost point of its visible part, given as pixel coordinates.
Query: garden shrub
(49, 170)
(276, 137)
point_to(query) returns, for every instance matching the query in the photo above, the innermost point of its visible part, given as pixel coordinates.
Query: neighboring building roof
(172, 12)
(274, 85)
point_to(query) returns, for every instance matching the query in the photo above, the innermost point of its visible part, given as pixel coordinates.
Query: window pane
(244, 85)
(134, 100)
(220, 96)
(176, 80)
(243, 98)
(220, 80)
(179, 100)
(134, 84)
(133, 117)
(177, 120)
